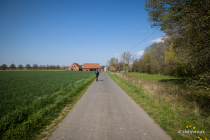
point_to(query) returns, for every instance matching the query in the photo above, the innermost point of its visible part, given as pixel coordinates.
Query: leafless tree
(127, 58)
(4, 66)
(47, 67)
(28, 66)
(12, 66)
(57, 67)
(40, 67)
(52, 67)
(43, 67)
(20, 66)
(35, 66)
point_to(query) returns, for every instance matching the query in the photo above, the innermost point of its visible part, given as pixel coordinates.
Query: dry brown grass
(174, 94)
(172, 106)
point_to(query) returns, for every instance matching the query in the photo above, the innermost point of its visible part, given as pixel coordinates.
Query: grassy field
(158, 78)
(30, 100)
(178, 109)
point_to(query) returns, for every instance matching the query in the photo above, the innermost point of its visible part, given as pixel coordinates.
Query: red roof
(91, 66)
(76, 65)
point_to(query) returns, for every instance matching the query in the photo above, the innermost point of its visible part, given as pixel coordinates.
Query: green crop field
(28, 97)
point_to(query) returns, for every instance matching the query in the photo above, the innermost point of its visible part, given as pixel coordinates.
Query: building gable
(75, 67)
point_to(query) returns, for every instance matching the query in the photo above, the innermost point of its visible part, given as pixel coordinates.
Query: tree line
(186, 23)
(185, 51)
(124, 64)
(162, 58)
(33, 67)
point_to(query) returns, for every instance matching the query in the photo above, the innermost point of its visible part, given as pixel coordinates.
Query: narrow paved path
(106, 112)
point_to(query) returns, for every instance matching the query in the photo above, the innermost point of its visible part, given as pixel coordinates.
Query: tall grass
(25, 121)
(173, 106)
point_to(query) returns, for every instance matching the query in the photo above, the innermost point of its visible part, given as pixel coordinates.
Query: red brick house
(91, 66)
(75, 67)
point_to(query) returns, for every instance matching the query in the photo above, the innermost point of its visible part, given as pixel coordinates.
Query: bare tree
(20, 66)
(54, 67)
(12, 66)
(51, 67)
(47, 67)
(57, 67)
(40, 67)
(43, 67)
(35, 66)
(4, 66)
(127, 58)
(28, 66)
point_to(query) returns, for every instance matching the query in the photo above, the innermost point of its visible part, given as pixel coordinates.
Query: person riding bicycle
(97, 73)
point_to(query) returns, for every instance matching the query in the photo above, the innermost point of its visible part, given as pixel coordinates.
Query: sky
(62, 32)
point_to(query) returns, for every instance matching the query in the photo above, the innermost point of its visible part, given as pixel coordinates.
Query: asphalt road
(106, 112)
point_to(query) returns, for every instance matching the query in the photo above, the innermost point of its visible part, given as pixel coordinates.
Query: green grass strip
(173, 119)
(25, 123)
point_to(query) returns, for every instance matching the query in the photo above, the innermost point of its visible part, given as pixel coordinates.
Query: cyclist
(97, 73)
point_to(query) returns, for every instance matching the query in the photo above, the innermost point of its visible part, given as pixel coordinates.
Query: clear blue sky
(60, 32)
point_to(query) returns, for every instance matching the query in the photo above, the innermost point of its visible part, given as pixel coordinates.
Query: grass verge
(28, 122)
(178, 117)
(47, 132)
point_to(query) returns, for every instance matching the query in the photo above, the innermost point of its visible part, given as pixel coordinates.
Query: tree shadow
(180, 81)
(191, 94)
(202, 100)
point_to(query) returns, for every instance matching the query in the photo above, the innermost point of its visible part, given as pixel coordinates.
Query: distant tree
(47, 67)
(112, 62)
(43, 67)
(119, 66)
(127, 58)
(12, 66)
(20, 66)
(57, 67)
(40, 67)
(4, 66)
(51, 67)
(28, 66)
(35, 66)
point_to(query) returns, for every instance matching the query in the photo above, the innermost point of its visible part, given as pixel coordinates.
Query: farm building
(75, 67)
(91, 66)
